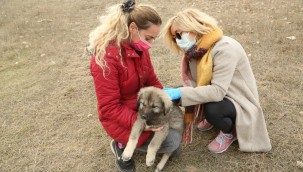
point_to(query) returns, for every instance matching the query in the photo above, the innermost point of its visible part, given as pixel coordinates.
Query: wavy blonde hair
(114, 27)
(189, 20)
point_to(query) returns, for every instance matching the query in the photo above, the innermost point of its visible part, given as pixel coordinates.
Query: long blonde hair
(114, 27)
(189, 20)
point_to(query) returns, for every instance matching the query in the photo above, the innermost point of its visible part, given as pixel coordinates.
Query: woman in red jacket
(120, 66)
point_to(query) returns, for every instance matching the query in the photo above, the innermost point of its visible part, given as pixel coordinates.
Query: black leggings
(222, 115)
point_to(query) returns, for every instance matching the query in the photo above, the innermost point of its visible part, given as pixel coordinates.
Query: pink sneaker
(222, 142)
(204, 125)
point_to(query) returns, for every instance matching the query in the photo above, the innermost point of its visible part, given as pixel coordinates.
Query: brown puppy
(155, 109)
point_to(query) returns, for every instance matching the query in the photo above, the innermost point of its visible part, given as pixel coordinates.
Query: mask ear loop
(131, 37)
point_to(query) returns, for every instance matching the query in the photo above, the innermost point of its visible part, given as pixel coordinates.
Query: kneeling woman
(217, 75)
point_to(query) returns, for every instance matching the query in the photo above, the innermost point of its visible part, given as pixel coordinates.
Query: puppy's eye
(141, 105)
(156, 109)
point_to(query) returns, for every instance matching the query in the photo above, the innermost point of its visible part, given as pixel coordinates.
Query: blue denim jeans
(172, 143)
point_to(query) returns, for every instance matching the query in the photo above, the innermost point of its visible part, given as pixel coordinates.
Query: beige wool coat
(233, 78)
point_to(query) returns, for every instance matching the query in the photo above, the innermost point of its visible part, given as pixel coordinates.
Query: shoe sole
(225, 148)
(111, 147)
(205, 129)
(113, 151)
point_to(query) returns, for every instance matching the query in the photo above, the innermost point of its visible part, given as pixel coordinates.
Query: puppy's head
(152, 102)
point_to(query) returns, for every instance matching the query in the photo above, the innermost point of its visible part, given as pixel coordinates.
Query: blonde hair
(114, 27)
(189, 20)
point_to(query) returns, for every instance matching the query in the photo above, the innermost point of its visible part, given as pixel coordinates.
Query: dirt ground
(49, 120)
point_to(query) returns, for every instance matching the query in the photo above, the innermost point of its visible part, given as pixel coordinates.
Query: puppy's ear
(167, 103)
(163, 106)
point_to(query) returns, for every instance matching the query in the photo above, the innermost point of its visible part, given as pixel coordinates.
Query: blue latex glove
(174, 93)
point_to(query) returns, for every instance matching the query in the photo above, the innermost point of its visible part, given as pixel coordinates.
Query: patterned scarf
(202, 52)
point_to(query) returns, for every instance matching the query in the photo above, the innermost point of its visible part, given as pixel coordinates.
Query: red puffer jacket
(117, 89)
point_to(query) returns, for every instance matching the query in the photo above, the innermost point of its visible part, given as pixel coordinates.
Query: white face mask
(185, 43)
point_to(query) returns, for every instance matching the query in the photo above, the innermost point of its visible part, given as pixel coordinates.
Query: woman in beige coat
(219, 84)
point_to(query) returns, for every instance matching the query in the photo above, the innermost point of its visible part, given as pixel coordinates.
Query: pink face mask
(140, 45)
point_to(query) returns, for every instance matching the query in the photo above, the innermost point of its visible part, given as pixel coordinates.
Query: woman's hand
(154, 129)
(174, 93)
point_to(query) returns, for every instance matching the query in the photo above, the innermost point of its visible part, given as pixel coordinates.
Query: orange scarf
(202, 52)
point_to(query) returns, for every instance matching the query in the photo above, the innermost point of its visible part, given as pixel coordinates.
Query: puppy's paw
(157, 170)
(150, 159)
(150, 163)
(126, 157)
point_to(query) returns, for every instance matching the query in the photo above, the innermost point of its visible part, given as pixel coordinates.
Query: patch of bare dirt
(49, 120)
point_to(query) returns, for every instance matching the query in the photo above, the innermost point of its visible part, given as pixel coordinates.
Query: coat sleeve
(225, 59)
(108, 95)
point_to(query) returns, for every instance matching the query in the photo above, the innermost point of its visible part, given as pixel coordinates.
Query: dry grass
(48, 116)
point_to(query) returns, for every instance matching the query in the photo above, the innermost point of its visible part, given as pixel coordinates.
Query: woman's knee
(210, 111)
